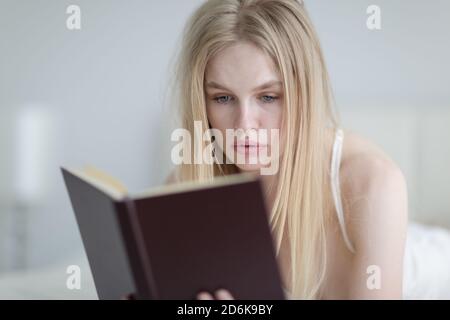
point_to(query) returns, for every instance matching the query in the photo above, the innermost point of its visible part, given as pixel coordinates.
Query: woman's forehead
(241, 65)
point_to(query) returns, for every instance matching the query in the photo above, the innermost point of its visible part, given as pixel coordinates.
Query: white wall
(405, 63)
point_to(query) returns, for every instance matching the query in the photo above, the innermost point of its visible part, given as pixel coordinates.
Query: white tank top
(335, 185)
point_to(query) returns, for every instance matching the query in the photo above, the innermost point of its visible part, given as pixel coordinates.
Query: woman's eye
(227, 99)
(222, 99)
(268, 99)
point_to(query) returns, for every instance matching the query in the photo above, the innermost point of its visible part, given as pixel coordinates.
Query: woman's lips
(249, 148)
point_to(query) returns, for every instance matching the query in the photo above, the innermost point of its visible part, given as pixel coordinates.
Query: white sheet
(427, 263)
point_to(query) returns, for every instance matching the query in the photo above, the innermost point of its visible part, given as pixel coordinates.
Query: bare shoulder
(374, 197)
(373, 186)
(365, 166)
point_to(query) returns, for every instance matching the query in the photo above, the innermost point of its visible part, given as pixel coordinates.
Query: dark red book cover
(173, 244)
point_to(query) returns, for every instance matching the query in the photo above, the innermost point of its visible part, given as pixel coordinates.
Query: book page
(185, 186)
(101, 180)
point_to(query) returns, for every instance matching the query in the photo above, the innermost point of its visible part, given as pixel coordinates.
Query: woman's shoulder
(365, 165)
(374, 199)
(373, 187)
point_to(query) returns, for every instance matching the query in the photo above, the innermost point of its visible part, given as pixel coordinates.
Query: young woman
(338, 203)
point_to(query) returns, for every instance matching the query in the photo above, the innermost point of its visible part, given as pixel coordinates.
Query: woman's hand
(129, 296)
(221, 294)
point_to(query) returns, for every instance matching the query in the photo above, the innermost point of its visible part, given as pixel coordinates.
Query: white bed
(49, 282)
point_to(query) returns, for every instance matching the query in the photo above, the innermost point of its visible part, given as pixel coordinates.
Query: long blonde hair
(283, 30)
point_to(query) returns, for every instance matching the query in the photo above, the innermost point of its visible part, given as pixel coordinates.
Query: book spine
(137, 254)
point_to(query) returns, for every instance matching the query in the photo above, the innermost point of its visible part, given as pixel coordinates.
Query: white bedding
(427, 263)
(48, 283)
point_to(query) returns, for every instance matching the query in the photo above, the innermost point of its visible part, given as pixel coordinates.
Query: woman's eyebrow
(266, 85)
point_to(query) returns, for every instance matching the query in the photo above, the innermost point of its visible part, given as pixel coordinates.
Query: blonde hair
(283, 30)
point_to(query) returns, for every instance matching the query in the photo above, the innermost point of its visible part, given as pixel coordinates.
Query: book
(173, 241)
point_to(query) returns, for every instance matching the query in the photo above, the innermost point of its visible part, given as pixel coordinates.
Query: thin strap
(335, 186)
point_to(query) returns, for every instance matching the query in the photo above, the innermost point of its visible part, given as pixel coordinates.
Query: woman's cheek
(220, 119)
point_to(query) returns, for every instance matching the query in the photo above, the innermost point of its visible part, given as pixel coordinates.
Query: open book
(174, 241)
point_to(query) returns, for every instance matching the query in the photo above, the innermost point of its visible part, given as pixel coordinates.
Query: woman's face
(244, 91)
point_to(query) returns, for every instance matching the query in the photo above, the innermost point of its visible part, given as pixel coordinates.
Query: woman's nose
(247, 117)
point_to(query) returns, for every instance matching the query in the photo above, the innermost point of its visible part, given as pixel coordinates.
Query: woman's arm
(377, 221)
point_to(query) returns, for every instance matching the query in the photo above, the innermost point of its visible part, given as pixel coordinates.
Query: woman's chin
(251, 164)
(249, 167)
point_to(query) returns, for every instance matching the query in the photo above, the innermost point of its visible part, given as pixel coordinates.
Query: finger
(204, 296)
(129, 296)
(223, 294)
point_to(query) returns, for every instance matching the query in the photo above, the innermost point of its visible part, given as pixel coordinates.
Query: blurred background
(97, 96)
